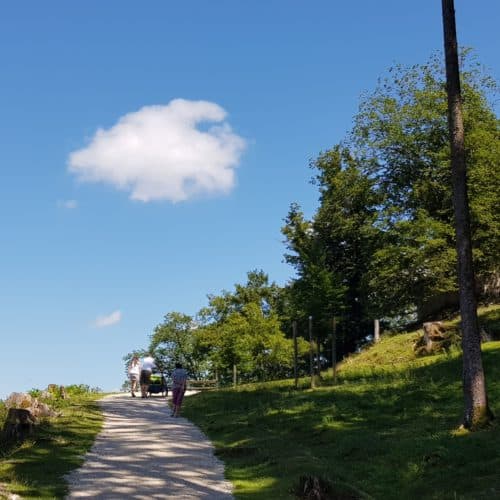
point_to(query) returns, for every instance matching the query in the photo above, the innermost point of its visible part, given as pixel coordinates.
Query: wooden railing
(202, 385)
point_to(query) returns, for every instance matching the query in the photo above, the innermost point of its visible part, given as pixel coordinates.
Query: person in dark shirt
(179, 383)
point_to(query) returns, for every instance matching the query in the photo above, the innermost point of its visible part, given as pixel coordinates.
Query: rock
(19, 400)
(40, 409)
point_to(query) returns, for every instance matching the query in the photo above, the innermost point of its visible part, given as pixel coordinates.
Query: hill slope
(388, 429)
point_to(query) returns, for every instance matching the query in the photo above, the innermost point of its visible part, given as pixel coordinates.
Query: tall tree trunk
(477, 412)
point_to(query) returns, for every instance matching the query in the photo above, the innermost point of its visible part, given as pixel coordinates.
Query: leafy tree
(257, 290)
(347, 222)
(413, 264)
(316, 291)
(176, 340)
(332, 252)
(401, 141)
(243, 328)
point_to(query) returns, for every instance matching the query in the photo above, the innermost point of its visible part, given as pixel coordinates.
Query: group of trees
(238, 331)
(381, 243)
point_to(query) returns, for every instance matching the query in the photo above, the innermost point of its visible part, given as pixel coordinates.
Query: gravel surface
(142, 452)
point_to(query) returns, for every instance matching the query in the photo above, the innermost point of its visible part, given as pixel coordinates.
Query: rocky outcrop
(24, 412)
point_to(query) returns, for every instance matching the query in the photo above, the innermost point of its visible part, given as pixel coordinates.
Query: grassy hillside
(387, 430)
(35, 468)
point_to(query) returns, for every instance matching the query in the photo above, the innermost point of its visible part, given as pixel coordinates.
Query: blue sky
(150, 151)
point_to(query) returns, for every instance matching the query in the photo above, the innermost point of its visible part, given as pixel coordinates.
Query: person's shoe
(133, 395)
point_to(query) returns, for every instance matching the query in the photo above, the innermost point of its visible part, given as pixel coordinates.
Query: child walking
(179, 383)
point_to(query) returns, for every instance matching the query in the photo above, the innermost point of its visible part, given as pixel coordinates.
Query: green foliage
(382, 242)
(317, 291)
(347, 224)
(415, 263)
(81, 390)
(34, 393)
(175, 340)
(253, 342)
(3, 412)
(257, 290)
(332, 252)
(242, 327)
(401, 140)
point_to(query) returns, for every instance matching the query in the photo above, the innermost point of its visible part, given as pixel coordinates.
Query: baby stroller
(158, 385)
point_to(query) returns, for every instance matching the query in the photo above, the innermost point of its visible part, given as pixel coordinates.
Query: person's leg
(147, 381)
(175, 397)
(180, 397)
(143, 383)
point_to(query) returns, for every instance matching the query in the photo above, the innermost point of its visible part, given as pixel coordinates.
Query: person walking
(179, 384)
(134, 371)
(148, 364)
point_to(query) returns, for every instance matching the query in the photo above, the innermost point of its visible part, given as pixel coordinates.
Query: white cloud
(110, 319)
(161, 153)
(69, 204)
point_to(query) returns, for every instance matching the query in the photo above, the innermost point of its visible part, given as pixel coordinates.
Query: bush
(81, 390)
(3, 412)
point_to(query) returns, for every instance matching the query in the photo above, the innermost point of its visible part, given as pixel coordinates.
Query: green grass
(388, 429)
(35, 469)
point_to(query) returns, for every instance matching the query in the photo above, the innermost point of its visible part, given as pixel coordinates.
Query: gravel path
(144, 453)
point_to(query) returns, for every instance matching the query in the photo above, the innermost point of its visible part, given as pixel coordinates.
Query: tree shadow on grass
(391, 436)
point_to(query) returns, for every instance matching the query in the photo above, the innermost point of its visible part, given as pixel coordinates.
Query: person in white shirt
(134, 371)
(148, 364)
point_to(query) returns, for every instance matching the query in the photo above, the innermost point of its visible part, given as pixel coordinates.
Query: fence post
(311, 367)
(235, 376)
(334, 350)
(376, 330)
(295, 354)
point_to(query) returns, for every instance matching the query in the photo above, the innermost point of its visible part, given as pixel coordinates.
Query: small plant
(81, 390)
(35, 393)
